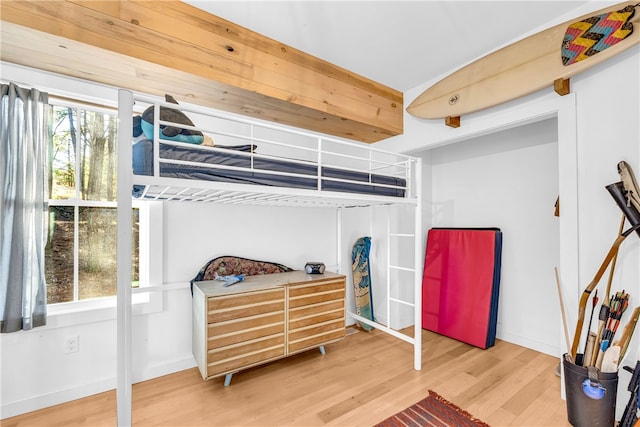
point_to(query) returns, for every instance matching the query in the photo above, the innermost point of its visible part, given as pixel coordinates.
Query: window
(80, 257)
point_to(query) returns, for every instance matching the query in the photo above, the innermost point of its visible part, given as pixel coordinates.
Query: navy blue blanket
(366, 183)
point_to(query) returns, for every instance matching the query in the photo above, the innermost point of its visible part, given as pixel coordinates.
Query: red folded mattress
(461, 283)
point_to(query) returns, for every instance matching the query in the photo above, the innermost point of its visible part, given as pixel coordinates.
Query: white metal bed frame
(162, 188)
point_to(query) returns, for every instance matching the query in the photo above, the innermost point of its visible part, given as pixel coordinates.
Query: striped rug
(433, 411)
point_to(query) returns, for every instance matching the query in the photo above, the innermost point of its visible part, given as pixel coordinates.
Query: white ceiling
(401, 44)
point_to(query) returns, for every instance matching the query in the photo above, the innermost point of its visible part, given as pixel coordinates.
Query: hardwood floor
(361, 380)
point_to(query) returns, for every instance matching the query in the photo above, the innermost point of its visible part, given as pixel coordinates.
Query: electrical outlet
(71, 344)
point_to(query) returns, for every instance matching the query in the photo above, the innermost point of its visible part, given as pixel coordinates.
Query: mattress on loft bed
(366, 183)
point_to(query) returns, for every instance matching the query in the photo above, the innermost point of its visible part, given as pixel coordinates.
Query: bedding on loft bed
(255, 170)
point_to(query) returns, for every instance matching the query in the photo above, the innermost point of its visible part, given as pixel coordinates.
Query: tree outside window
(80, 257)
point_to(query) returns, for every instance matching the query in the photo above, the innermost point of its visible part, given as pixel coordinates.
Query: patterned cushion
(227, 265)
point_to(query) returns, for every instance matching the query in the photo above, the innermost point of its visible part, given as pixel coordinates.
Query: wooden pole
(605, 305)
(565, 327)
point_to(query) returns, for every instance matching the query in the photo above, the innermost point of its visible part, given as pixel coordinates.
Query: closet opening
(546, 127)
(508, 179)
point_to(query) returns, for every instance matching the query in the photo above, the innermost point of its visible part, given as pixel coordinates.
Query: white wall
(37, 373)
(196, 233)
(509, 180)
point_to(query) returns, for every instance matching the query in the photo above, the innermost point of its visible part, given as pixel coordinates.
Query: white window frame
(150, 260)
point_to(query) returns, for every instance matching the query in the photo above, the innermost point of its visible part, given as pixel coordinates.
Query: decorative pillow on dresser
(232, 265)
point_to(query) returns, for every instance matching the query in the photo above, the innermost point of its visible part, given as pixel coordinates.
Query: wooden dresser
(264, 318)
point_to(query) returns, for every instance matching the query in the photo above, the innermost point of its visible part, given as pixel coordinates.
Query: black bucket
(591, 395)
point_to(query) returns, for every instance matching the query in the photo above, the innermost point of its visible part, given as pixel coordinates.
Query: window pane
(97, 231)
(98, 167)
(59, 255)
(63, 158)
(83, 171)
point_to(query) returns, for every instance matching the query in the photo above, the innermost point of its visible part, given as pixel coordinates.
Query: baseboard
(46, 400)
(542, 347)
(41, 401)
(150, 372)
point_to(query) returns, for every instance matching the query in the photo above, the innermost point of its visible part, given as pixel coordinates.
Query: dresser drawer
(316, 293)
(317, 329)
(246, 347)
(223, 308)
(245, 329)
(229, 360)
(316, 313)
(316, 335)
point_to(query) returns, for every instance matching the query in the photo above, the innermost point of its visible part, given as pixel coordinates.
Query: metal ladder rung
(410, 304)
(397, 267)
(401, 235)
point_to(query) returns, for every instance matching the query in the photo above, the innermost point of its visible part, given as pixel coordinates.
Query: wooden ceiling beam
(172, 47)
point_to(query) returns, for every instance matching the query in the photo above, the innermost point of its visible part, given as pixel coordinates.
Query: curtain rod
(70, 100)
(75, 101)
(65, 99)
(94, 105)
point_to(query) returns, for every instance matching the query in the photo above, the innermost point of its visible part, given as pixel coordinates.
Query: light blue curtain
(23, 208)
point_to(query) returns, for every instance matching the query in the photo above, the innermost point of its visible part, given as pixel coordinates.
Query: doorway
(509, 179)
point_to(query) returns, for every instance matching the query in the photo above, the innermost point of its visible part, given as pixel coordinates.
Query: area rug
(434, 410)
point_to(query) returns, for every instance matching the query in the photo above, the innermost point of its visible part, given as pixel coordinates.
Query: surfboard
(362, 280)
(532, 63)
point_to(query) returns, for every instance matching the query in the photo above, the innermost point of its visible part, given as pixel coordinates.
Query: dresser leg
(322, 350)
(227, 380)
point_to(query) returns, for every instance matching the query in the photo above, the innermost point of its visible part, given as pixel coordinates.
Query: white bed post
(388, 290)
(339, 241)
(124, 319)
(417, 334)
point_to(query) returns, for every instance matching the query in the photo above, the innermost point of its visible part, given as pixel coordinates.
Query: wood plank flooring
(361, 380)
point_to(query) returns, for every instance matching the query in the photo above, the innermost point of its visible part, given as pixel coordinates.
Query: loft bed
(225, 159)
(250, 154)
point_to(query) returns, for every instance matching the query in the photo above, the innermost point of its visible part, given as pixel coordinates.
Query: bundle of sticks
(600, 349)
(618, 304)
